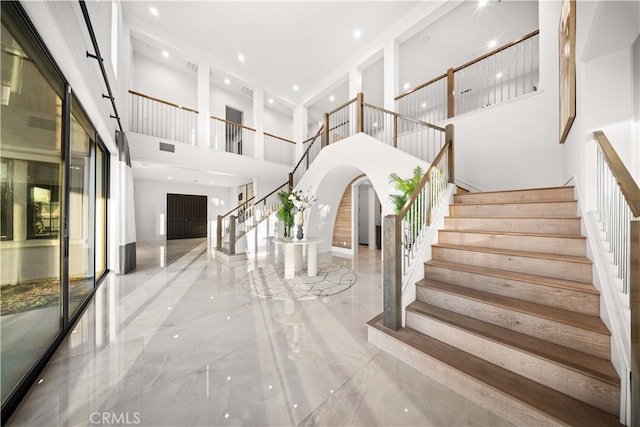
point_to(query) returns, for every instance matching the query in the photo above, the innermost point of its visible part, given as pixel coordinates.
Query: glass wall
(45, 277)
(30, 152)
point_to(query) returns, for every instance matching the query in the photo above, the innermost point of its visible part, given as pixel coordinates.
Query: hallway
(180, 342)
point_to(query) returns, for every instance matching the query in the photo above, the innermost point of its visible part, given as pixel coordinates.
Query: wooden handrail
(351, 101)
(625, 181)
(306, 152)
(133, 92)
(501, 48)
(473, 61)
(435, 79)
(238, 207)
(422, 183)
(420, 122)
(232, 123)
(270, 194)
(279, 137)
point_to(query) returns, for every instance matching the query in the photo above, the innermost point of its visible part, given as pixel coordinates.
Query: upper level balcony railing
(505, 73)
(278, 149)
(163, 119)
(231, 137)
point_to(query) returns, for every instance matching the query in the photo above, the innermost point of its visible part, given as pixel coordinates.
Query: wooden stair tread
(556, 257)
(502, 218)
(514, 202)
(587, 364)
(521, 190)
(515, 233)
(555, 404)
(578, 320)
(523, 277)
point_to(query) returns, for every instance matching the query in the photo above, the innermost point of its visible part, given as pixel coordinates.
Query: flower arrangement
(302, 200)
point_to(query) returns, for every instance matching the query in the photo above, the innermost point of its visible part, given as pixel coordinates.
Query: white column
(372, 218)
(258, 122)
(355, 82)
(391, 73)
(300, 128)
(204, 95)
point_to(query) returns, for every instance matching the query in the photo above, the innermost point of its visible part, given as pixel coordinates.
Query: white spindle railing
(280, 150)
(427, 102)
(313, 147)
(342, 122)
(415, 137)
(162, 119)
(231, 137)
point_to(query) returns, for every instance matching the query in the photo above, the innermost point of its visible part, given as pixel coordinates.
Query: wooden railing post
(360, 112)
(232, 235)
(634, 295)
(290, 181)
(395, 131)
(392, 272)
(451, 111)
(325, 131)
(219, 233)
(450, 136)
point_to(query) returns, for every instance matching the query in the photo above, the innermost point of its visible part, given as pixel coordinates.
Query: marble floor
(179, 342)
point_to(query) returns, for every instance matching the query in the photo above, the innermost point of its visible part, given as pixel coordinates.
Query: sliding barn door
(186, 216)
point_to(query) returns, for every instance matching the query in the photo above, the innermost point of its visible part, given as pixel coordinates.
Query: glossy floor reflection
(180, 343)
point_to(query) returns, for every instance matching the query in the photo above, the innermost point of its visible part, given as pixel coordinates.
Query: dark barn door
(186, 216)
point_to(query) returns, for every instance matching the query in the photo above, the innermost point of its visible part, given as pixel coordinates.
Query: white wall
(161, 81)
(151, 205)
(278, 124)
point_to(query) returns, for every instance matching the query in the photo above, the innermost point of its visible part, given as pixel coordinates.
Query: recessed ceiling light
(240, 57)
(154, 11)
(493, 43)
(332, 98)
(169, 177)
(270, 100)
(212, 182)
(424, 104)
(165, 53)
(295, 88)
(357, 34)
(375, 124)
(227, 81)
(407, 85)
(499, 75)
(482, 3)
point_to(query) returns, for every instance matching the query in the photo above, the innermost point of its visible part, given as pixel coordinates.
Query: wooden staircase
(507, 314)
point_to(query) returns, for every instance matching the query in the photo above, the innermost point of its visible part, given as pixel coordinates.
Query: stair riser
(560, 269)
(567, 226)
(567, 299)
(548, 194)
(558, 333)
(551, 209)
(558, 377)
(545, 244)
(499, 403)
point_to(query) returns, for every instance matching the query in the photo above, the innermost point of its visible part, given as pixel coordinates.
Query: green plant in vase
(285, 212)
(406, 187)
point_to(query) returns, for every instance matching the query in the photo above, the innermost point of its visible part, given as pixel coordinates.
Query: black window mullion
(66, 175)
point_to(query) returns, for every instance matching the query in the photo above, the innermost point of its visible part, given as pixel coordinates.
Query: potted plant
(406, 187)
(285, 212)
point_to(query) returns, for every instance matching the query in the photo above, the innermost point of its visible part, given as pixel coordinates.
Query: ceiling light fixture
(332, 98)
(357, 34)
(499, 75)
(482, 3)
(154, 11)
(407, 85)
(227, 81)
(165, 53)
(241, 57)
(270, 100)
(170, 177)
(295, 88)
(492, 43)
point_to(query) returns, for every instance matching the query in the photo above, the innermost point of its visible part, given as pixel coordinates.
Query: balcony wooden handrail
(410, 91)
(628, 186)
(351, 101)
(410, 119)
(142, 95)
(232, 123)
(279, 137)
(473, 61)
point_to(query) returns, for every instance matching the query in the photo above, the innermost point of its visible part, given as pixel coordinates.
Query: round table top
(306, 241)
